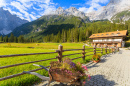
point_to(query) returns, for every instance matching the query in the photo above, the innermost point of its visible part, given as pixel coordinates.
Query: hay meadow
(22, 48)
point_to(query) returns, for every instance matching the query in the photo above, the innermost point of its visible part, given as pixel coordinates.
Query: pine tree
(21, 39)
(15, 39)
(1, 38)
(11, 38)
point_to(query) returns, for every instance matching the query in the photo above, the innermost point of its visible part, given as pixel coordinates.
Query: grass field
(20, 48)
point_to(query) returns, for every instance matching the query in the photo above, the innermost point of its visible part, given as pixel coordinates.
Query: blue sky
(33, 9)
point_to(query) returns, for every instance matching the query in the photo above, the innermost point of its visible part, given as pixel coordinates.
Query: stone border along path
(112, 70)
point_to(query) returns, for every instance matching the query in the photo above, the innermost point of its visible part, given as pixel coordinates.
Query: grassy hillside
(48, 25)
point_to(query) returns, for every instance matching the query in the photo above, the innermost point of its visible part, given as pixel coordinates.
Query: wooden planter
(63, 77)
(95, 61)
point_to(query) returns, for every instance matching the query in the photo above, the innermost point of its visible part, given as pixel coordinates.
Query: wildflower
(85, 68)
(79, 63)
(84, 82)
(89, 77)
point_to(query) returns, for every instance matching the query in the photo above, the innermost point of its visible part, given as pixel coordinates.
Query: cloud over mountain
(28, 9)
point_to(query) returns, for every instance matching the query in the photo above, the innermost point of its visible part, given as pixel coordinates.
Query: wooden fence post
(109, 49)
(101, 50)
(94, 50)
(117, 48)
(106, 49)
(83, 52)
(60, 48)
(112, 50)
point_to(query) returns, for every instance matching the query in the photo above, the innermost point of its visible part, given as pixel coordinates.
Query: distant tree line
(83, 33)
(15, 39)
(76, 34)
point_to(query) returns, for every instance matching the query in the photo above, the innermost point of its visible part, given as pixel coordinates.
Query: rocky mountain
(121, 17)
(9, 22)
(107, 12)
(70, 11)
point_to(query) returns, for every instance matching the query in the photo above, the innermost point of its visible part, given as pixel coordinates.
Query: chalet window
(118, 33)
(112, 33)
(102, 34)
(107, 34)
(93, 35)
(97, 35)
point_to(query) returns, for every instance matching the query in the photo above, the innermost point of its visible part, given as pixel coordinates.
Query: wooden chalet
(110, 39)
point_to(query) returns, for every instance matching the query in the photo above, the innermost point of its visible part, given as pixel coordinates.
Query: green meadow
(21, 48)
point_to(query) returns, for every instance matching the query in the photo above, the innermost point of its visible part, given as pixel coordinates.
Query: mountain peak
(112, 8)
(59, 8)
(8, 22)
(72, 9)
(115, 1)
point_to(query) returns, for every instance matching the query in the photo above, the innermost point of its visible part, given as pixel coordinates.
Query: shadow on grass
(99, 80)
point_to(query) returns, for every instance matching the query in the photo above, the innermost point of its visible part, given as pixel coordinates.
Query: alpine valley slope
(9, 22)
(48, 24)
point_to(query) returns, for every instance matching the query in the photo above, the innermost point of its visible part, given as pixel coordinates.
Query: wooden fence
(59, 57)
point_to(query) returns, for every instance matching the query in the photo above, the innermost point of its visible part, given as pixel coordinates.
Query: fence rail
(59, 57)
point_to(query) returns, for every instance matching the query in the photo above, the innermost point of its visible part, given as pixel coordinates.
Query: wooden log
(83, 53)
(70, 54)
(3, 56)
(41, 67)
(60, 48)
(25, 63)
(38, 75)
(101, 50)
(106, 49)
(15, 75)
(76, 58)
(72, 49)
(94, 50)
(89, 55)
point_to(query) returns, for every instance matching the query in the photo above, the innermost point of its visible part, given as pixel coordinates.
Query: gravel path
(112, 70)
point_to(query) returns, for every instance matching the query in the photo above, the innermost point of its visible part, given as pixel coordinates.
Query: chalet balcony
(106, 41)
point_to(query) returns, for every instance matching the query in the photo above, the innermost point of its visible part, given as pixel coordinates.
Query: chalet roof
(110, 34)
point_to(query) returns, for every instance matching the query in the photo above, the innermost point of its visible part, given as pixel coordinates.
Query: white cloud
(22, 9)
(28, 9)
(33, 17)
(94, 5)
(18, 14)
(2, 3)
(83, 9)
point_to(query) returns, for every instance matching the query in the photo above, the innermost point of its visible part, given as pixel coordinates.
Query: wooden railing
(59, 57)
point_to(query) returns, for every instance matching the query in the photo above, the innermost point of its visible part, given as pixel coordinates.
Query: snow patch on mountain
(70, 11)
(113, 7)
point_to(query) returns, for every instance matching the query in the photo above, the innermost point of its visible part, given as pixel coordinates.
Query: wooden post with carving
(83, 52)
(60, 48)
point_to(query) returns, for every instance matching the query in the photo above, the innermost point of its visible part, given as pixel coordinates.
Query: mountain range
(115, 11)
(113, 8)
(8, 21)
